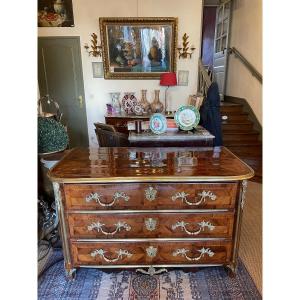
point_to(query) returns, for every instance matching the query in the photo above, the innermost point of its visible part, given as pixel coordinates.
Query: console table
(120, 120)
(150, 208)
(199, 137)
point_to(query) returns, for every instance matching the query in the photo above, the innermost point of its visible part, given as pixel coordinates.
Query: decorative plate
(128, 102)
(187, 117)
(138, 109)
(158, 123)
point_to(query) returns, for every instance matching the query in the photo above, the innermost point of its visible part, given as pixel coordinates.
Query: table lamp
(168, 79)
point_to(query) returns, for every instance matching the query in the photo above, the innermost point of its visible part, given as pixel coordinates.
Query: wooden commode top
(154, 164)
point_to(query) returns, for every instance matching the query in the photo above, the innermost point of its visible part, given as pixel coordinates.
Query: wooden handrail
(246, 63)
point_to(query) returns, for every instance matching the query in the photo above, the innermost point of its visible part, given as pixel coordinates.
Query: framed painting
(138, 48)
(55, 13)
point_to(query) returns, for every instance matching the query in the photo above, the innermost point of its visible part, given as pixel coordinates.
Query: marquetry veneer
(159, 208)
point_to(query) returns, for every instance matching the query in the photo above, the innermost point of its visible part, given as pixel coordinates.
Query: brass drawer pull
(150, 224)
(202, 225)
(97, 197)
(119, 226)
(150, 193)
(203, 197)
(203, 251)
(120, 253)
(151, 251)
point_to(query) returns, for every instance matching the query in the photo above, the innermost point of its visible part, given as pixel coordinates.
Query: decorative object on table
(128, 102)
(52, 136)
(187, 117)
(171, 125)
(183, 50)
(97, 69)
(138, 48)
(96, 49)
(56, 13)
(156, 105)
(195, 101)
(138, 109)
(168, 79)
(109, 108)
(158, 123)
(145, 103)
(183, 78)
(49, 108)
(115, 99)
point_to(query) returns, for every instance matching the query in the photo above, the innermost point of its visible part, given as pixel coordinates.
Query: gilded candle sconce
(96, 49)
(184, 50)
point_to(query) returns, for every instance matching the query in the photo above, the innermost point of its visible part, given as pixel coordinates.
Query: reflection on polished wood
(149, 164)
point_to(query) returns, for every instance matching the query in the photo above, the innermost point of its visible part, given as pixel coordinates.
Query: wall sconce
(183, 51)
(96, 50)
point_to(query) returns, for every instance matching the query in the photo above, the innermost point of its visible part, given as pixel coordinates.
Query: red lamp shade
(168, 79)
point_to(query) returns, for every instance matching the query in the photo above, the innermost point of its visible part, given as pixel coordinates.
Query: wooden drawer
(150, 196)
(151, 252)
(151, 225)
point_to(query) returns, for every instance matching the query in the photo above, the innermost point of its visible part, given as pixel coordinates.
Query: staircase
(240, 137)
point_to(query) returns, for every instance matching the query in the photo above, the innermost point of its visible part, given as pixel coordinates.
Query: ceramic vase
(144, 102)
(156, 105)
(115, 99)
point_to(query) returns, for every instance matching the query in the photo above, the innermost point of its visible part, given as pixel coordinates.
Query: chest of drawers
(150, 209)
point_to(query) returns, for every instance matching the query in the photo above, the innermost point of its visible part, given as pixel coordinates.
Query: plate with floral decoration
(187, 117)
(158, 123)
(128, 102)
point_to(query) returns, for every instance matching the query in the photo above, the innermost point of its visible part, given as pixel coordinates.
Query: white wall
(86, 19)
(246, 36)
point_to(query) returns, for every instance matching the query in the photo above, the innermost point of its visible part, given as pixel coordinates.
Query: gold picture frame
(138, 48)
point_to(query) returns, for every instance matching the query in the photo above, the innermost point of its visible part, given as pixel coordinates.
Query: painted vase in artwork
(144, 102)
(115, 99)
(156, 105)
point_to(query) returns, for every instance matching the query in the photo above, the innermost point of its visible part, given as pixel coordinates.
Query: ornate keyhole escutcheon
(150, 224)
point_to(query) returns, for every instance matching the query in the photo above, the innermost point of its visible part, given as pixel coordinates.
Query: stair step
(241, 136)
(234, 117)
(237, 127)
(234, 122)
(231, 109)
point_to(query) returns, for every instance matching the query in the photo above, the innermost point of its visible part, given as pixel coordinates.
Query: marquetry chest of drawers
(150, 208)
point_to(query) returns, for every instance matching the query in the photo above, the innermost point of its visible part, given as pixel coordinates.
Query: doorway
(215, 40)
(60, 76)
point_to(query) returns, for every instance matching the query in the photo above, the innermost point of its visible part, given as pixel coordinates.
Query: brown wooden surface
(81, 252)
(76, 195)
(149, 164)
(222, 222)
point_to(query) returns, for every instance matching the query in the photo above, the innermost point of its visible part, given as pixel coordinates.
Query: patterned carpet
(207, 284)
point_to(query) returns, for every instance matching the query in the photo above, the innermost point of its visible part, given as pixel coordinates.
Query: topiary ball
(52, 136)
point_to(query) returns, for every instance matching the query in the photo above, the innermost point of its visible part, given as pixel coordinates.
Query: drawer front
(162, 252)
(150, 196)
(168, 225)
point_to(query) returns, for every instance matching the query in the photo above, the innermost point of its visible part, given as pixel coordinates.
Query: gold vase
(157, 106)
(145, 103)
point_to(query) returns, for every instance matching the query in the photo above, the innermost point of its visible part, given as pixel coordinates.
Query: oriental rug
(94, 284)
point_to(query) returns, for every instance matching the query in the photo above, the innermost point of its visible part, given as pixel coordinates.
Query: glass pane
(225, 26)
(223, 43)
(227, 10)
(218, 45)
(220, 14)
(219, 30)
